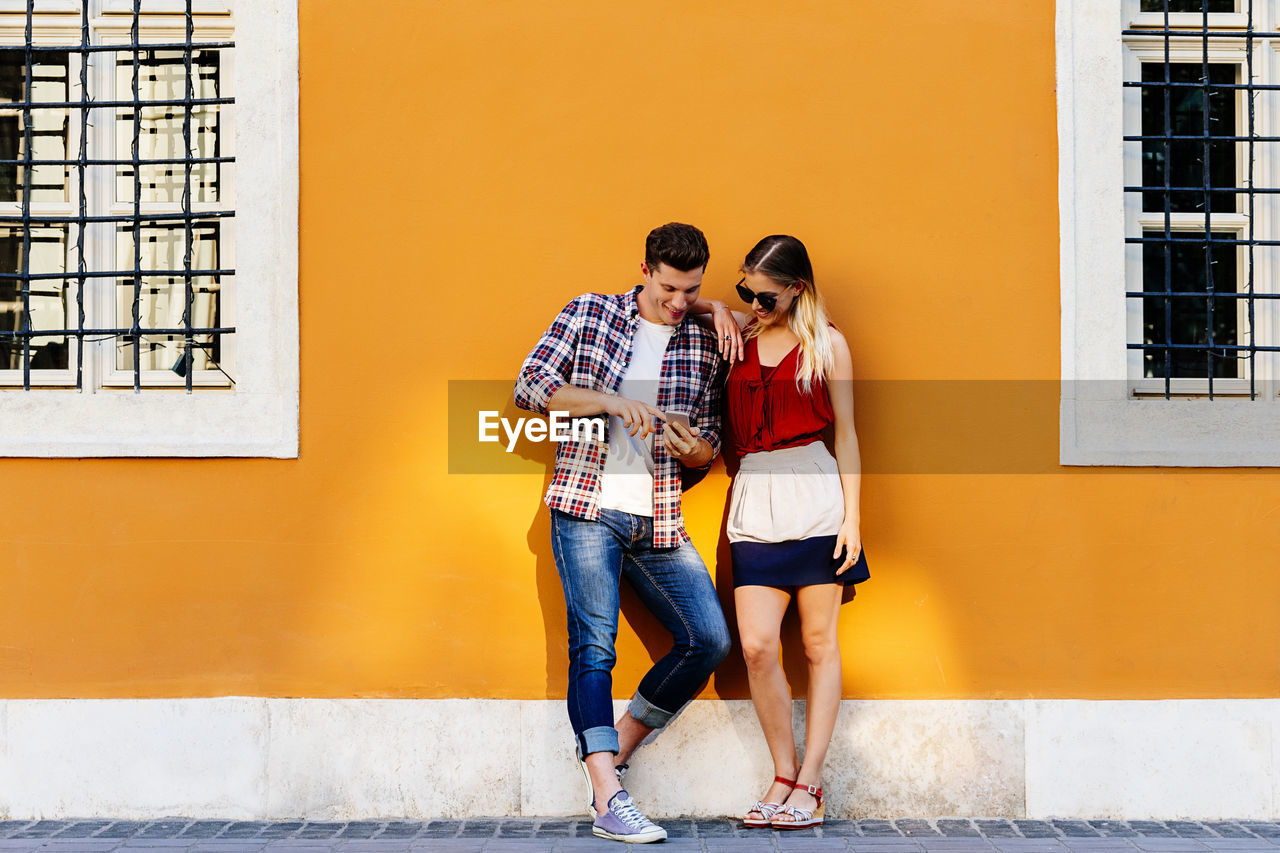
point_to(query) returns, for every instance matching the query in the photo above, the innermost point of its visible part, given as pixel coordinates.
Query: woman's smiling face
(758, 282)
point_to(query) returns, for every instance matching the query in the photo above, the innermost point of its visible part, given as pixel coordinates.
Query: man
(615, 504)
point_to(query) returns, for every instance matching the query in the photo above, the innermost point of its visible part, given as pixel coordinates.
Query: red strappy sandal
(767, 809)
(801, 817)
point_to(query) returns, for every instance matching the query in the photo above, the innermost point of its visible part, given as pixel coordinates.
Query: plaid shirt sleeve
(710, 408)
(548, 367)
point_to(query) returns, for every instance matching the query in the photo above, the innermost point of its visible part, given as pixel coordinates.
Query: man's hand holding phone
(680, 439)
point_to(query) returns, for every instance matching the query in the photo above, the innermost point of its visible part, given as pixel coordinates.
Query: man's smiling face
(668, 293)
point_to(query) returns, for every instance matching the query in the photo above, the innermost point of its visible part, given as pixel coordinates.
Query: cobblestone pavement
(550, 835)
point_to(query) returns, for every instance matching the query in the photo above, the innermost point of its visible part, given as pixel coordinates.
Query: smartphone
(677, 417)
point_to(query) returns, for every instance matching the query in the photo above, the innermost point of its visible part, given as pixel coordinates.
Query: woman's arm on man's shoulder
(728, 325)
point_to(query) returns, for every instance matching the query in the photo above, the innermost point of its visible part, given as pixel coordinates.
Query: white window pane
(161, 76)
(162, 301)
(49, 126)
(1188, 320)
(1185, 166)
(49, 298)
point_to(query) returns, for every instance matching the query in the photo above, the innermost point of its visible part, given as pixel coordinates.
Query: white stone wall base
(337, 759)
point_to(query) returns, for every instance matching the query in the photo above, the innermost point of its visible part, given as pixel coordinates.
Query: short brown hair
(677, 245)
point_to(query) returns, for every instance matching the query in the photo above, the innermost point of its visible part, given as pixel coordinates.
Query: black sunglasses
(768, 301)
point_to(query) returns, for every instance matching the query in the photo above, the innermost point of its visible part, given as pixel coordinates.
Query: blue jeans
(592, 557)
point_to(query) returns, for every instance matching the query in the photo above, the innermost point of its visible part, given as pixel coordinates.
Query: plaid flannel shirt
(589, 345)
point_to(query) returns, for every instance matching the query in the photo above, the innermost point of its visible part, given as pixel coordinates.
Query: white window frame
(1107, 414)
(259, 415)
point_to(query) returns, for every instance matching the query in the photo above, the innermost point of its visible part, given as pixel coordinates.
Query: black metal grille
(1199, 145)
(148, 174)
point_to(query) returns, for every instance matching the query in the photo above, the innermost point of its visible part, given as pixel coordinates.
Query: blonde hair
(785, 261)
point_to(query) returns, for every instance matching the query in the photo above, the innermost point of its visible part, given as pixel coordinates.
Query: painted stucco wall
(468, 168)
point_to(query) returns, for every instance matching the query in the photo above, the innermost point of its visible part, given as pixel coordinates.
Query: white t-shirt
(626, 483)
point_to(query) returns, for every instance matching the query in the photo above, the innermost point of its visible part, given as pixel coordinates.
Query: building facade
(257, 563)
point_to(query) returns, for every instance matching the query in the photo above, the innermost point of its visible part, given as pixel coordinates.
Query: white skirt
(780, 495)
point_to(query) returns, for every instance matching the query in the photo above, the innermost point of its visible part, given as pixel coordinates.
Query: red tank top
(766, 409)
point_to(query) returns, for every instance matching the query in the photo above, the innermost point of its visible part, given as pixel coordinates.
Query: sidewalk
(548, 835)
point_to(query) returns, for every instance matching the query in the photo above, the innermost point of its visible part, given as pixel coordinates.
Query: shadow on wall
(550, 596)
(928, 532)
(648, 630)
(409, 627)
(903, 586)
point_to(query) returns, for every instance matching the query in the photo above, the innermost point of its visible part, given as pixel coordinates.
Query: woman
(793, 511)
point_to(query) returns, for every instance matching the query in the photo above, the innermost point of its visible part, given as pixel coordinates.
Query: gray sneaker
(622, 821)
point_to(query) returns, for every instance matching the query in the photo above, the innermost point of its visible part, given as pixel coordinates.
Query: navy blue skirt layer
(796, 562)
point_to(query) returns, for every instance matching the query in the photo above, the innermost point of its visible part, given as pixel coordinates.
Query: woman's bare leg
(760, 611)
(819, 608)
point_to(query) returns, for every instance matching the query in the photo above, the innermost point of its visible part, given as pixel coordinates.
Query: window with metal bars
(1201, 180)
(116, 198)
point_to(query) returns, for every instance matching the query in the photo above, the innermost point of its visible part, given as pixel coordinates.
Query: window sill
(73, 424)
(1122, 430)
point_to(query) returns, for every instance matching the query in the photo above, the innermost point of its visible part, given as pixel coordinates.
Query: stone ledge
(1100, 763)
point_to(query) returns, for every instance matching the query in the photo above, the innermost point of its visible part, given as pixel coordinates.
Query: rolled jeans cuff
(648, 714)
(597, 739)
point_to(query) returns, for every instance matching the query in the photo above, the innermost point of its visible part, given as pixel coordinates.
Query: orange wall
(467, 168)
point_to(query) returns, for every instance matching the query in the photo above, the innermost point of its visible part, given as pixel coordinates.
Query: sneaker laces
(627, 812)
